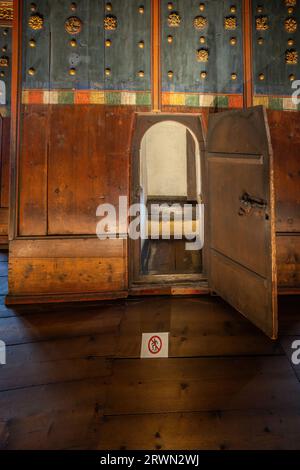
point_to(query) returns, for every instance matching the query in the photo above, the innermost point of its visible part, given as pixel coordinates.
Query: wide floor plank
(40, 327)
(238, 430)
(201, 384)
(74, 380)
(54, 416)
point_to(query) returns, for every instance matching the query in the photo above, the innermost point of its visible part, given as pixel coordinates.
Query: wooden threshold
(170, 290)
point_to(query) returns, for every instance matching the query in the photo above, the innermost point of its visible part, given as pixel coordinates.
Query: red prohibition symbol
(154, 344)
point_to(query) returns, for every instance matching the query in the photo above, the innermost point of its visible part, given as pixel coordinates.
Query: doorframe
(142, 123)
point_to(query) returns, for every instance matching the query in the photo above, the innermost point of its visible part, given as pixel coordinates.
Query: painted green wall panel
(53, 56)
(180, 55)
(124, 58)
(37, 57)
(87, 58)
(269, 58)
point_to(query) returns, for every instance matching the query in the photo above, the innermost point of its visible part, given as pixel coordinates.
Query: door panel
(242, 258)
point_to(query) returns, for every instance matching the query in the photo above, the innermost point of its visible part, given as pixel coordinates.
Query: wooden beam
(247, 48)
(155, 56)
(15, 114)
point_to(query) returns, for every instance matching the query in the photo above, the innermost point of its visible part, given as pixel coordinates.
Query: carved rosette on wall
(290, 25)
(230, 23)
(200, 22)
(73, 25)
(291, 57)
(262, 23)
(202, 55)
(174, 20)
(4, 61)
(36, 22)
(290, 3)
(110, 23)
(6, 11)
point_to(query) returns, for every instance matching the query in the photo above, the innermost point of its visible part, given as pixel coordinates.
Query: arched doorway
(167, 183)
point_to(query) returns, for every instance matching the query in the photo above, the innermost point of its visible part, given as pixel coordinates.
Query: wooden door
(241, 244)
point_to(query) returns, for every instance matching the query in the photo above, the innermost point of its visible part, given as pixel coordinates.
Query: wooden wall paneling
(34, 125)
(15, 116)
(204, 112)
(70, 266)
(88, 164)
(288, 261)
(77, 178)
(4, 160)
(247, 52)
(285, 135)
(76, 181)
(33, 170)
(5, 152)
(119, 127)
(74, 156)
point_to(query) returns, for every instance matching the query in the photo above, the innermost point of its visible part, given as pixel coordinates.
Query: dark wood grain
(70, 369)
(33, 171)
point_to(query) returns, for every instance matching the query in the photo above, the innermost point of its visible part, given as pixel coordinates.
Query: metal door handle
(250, 203)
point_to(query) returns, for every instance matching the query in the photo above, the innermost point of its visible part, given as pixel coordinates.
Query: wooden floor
(74, 380)
(171, 257)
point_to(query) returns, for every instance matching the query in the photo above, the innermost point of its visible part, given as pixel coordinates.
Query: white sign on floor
(155, 345)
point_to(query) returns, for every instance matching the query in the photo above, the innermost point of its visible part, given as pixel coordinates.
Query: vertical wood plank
(5, 151)
(156, 60)
(33, 171)
(247, 47)
(191, 167)
(15, 113)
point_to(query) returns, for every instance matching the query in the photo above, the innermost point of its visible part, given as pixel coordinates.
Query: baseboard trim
(63, 298)
(288, 290)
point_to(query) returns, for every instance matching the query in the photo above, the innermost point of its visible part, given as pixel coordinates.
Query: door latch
(250, 203)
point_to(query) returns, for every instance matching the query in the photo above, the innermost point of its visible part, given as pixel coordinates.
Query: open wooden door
(241, 216)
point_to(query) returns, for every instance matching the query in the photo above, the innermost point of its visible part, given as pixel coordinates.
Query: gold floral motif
(202, 55)
(262, 23)
(110, 23)
(73, 25)
(4, 62)
(290, 3)
(290, 25)
(291, 57)
(200, 22)
(6, 11)
(36, 22)
(174, 20)
(230, 23)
